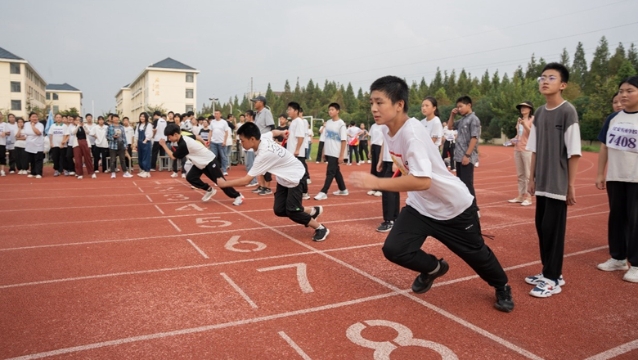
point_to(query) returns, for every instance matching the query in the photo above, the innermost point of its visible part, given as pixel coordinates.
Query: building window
(15, 68)
(189, 93)
(190, 78)
(56, 109)
(189, 108)
(15, 86)
(48, 96)
(16, 105)
(55, 96)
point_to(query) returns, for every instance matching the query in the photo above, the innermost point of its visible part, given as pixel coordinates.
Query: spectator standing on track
(432, 123)
(296, 143)
(12, 126)
(306, 154)
(130, 133)
(263, 117)
(283, 126)
(619, 152)
(250, 156)
(204, 162)
(22, 159)
(554, 141)
(468, 129)
(88, 120)
(34, 145)
(159, 124)
(144, 137)
(81, 151)
(522, 157)
(353, 142)
(218, 138)
(204, 132)
(438, 204)
(56, 135)
(363, 144)
(101, 144)
(4, 133)
(271, 157)
(376, 139)
(322, 139)
(68, 141)
(334, 151)
(449, 137)
(117, 146)
(228, 144)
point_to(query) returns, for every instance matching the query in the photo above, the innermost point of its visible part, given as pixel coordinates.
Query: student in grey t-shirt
(263, 118)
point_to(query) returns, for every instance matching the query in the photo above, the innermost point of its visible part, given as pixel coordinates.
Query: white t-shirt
(434, 128)
(90, 139)
(334, 133)
(100, 136)
(186, 125)
(353, 132)
(198, 154)
(273, 158)
(129, 132)
(414, 153)
(196, 129)
(297, 130)
(161, 126)
(11, 138)
(622, 153)
(56, 133)
(218, 131)
(449, 135)
(34, 143)
(70, 130)
(229, 138)
(3, 138)
(310, 134)
(322, 133)
(376, 135)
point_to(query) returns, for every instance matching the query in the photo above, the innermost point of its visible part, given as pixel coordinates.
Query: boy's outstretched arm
(242, 181)
(403, 183)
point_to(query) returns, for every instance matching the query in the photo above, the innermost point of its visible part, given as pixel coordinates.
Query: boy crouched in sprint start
(271, 157)
(204, 162)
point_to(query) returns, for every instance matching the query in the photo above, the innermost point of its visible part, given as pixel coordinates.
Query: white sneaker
(152, 170)
(476, 165)
(174, 175)
(80, 177)
(93, 176)
(371, 192)
(12, 172)
(631, 275)
(378, 193)
(2, 173)
(38, 176)
(30, 176)
(72, 173)
(535, 279)
(127, 175)
(545, 288)
(225, 174)
(141, 174)
(183, 176)
(209, 194)
(526, 202)
(369, 162)
(305, 196)
(321, 196)
(112, 175)
(515, 200)
(613, 265)
(341, 193)
(309, 181)
(238, 200)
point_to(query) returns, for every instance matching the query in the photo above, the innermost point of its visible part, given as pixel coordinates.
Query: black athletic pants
(551, 219)
(462, 235)
(22, 158)
(375, 153)
(320, 152)
(129, 150)
(288, 204)
(156, 151)
(353, 149)
(333, 172)
(69, 163)
(363, 148)
(213, 172)
(390, 201)
(623, 221)
(55, 154)
(304, 180)
(448, 151)
(12, 160)
(36, 161)
(466, 174)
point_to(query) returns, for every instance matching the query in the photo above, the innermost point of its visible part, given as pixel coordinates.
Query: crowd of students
(432, 161)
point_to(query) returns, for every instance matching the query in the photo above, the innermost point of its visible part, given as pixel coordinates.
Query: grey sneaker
(341, 193)
(385, 226)
(265, 191)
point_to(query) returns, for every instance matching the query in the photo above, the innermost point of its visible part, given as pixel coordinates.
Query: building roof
(61, 87)
(169, 63)
(4, 54)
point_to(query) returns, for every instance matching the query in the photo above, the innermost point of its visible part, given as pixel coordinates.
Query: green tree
(632, 56)
(599, 69)
(598, 108)
(350, 100)
(579, 67)
(626, 70)
(617, 59)
(437, 82)
(485, 85)
(564, 59)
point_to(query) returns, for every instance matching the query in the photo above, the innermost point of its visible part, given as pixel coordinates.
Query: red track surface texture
(141, 268)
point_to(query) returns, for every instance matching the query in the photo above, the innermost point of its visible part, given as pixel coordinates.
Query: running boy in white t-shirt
(438, 203)
(271, 157)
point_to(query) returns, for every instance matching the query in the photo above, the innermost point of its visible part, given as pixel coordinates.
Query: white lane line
(200, 329)
(200, 251)
(239, 290)
(134, 183)
(140, 189)
(175, 226)
(160, 210)
(617, 351)
(149, 198)
(294, 345)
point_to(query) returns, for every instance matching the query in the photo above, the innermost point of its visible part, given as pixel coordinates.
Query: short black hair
(191, 113)
(335, 105)
(100, 117)
(178, 116)
(632, 80)
(295, 106)
(249, 130)
(157, 112)
(125, 118)
(395, 88)
(562, 70)
(87, 115)
(353, 123)
(170, 112)
(210, 117)
(250, 113)
(464, 100)
(201, 118)
(229, 116)
(171, 129)
(115, 116)
(283, 116)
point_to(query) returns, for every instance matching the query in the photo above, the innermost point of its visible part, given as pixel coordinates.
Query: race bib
(623, 136)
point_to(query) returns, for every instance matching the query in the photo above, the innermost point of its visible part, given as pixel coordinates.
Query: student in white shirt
(218, 137)
(438, 203)
(334, 152)
(67, 146)
(129, 132)
(271, 157)
(228, 149)
(56, 135)
(4, 132)
(449, 138)
(353, 142)
(11, 141)
(22, 159)
(204, 162)
(297, 143)
(363, 144)
(34, 131)
(159, 124)
(102, 145)
(322, 139)
(431, 122)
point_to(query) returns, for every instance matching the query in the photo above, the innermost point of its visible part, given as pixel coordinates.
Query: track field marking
(294, 345)
(239, 290)
(617, 351)
(158, 209)
(175, 226)
(149, 198)
(200, 251)
(140, 189)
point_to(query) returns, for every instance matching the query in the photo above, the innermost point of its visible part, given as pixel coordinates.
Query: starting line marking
(149, 198)
(158, 209)
(175, 226)
(197, 248)
(294, 345)
(239, 290)
(617, 351)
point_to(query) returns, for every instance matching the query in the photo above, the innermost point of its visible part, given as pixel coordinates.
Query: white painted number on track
(383, 349)
(302, 277)
(175, 197)
(205, 222)
(190, 207)
(234, 241)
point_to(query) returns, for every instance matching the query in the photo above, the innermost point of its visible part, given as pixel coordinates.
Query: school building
(61, 97)
(21, 87)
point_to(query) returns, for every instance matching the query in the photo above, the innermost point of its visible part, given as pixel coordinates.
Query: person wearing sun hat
(522, 157)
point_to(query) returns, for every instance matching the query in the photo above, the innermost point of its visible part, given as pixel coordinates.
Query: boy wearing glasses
(554, 141)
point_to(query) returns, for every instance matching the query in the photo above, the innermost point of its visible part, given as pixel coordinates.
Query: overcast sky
(99, 46)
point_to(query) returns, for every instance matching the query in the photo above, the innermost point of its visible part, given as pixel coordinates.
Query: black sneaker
(504, 300)
(321, 234)
(385, 226)
(318, 211)
(423, 282)
(265, 191)
(256, 190)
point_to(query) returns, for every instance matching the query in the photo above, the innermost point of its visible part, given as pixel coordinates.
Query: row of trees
(590, 89)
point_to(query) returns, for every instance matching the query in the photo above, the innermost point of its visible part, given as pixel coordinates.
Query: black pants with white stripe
(213, 172)
(623, 221)
(288, 203)
(462, 235)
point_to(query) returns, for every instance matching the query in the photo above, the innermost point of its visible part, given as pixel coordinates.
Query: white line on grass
(200, 251)
(294, 345)
(239, 290)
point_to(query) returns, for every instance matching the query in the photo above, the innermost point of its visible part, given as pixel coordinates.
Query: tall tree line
(495, 96)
